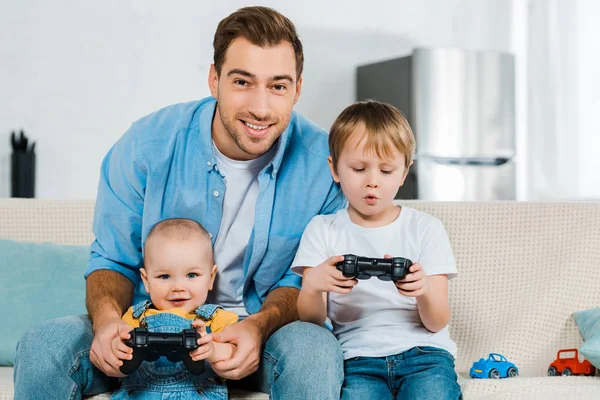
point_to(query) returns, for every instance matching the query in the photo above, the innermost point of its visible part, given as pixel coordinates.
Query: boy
(178, 274)
(394, 336)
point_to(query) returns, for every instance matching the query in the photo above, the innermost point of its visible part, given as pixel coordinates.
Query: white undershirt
(374, 320)
(239, 203)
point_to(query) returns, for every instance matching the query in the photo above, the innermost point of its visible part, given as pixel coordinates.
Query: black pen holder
(22, 173)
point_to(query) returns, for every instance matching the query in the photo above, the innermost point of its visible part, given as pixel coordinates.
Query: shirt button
(275, 170)
(216, 194)
(216, 167)
(209, 163)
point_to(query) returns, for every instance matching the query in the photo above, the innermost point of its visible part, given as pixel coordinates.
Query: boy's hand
(325, 277)
(415, 284)
(205, 342)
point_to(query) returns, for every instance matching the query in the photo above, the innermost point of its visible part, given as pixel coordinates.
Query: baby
(178, 273)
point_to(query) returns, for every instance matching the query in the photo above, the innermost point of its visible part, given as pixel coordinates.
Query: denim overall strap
(207, 311)
(140, 308)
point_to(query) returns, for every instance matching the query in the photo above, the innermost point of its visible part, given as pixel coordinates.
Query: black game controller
(386, 269)
(150, 346)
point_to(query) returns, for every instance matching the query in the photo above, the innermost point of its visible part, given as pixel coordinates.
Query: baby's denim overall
(166, 380)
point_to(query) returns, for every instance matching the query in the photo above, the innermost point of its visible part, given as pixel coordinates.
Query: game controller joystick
(150, 346)
(386, 269)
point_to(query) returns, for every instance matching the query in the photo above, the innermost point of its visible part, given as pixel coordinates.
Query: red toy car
(568, 363)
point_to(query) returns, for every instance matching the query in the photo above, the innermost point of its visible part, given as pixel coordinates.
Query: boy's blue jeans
(299, 361)
(419, 373)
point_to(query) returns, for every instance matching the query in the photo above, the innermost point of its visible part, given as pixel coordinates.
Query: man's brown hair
(385, 127)
(263, 27)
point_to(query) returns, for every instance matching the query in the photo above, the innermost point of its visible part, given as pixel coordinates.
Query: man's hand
(415, 284)
(108, 294)
(106, 349)
(248, 338)
(325, 277)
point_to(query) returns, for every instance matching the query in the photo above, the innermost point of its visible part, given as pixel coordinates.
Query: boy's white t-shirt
(374, 320)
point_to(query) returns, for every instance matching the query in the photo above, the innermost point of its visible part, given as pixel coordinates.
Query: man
(253, 173)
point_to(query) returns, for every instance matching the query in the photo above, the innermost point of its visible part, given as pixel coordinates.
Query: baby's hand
(325, 277)
(205, 342)
(415, 284)
(120, 349)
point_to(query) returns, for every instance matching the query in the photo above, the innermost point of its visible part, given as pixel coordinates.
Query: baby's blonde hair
(179, 229)
(386, 130)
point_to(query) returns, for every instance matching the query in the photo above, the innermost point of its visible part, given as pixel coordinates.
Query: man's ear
(213, 81)
(298, 89)
(213, 275)
(334, 174)
(144, 275)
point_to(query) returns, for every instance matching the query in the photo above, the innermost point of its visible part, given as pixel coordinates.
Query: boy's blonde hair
(386, 130)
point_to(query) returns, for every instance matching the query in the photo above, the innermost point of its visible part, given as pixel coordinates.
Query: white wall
(563, 86)
(75, 74)
(588, 64)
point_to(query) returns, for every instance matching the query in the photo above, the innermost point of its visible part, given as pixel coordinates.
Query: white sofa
(524, 268)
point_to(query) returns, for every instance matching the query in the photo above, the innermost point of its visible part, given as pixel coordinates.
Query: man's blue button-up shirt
(164, 167)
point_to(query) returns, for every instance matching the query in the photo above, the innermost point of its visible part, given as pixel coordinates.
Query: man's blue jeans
(419, 373)
(300, 361)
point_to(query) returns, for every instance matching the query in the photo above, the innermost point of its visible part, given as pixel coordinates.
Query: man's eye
(240, 82)
(192, 275)
(163, 276)
(279, 87)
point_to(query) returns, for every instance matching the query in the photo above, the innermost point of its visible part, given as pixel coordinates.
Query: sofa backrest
(60, 222)
(524, 268)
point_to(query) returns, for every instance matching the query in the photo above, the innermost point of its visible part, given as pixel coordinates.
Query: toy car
(495, 367)
(568, 363)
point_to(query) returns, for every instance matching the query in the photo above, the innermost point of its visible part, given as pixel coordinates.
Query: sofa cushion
(39, 281)
(588, 322)
(533, 388)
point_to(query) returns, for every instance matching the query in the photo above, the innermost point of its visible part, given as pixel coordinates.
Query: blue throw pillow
(40, 281)
(588, 322)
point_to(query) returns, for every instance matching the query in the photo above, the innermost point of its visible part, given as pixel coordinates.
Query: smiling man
(254, 107)
(253, 173)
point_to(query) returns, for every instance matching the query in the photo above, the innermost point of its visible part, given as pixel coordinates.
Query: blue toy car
(495, 367)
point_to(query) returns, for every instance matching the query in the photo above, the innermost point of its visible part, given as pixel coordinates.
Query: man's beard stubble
(239, 138)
